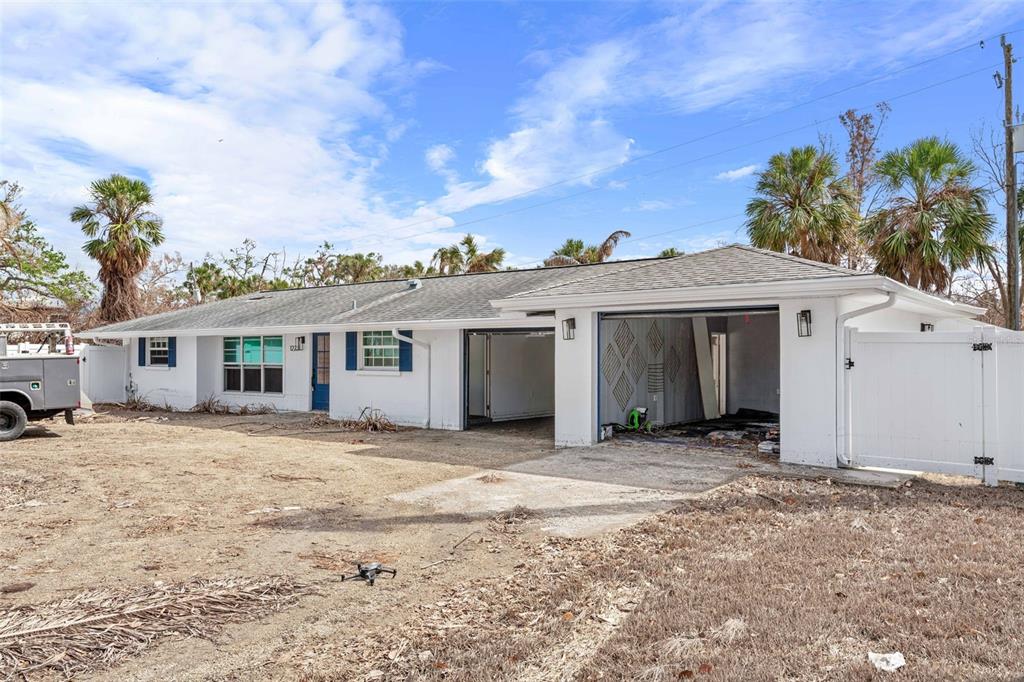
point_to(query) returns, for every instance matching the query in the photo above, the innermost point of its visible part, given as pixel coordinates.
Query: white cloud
(251, 120)
(650, 205)
(696, 59)
(438, 157)
(560, 132)
(738, 173)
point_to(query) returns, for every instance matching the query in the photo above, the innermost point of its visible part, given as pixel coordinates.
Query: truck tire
(13, 421)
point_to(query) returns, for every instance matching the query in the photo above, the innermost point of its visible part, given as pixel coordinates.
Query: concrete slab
(565, 506)
(683, 468)
(586, 491)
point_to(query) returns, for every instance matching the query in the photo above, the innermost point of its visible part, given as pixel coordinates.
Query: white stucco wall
(576, 380)
(807, 383)
(402, 396)
(297, 374)
(173, 387)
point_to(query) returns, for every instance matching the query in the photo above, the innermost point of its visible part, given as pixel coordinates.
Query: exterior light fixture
(927, 327)
(803, 323)
(569, 328)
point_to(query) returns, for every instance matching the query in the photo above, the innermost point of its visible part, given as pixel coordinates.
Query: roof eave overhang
(505, 321)
(762, 291)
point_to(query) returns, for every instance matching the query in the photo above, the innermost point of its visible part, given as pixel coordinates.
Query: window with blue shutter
(405, 353)
(351, 351)
(142, 351)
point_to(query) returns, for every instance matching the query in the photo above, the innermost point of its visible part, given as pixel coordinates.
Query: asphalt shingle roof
(735, 264)
(438, 298)
(468, 297)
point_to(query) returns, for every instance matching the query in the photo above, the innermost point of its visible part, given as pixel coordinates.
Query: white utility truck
(38, 385)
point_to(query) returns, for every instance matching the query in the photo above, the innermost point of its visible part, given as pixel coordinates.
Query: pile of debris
(744, 429)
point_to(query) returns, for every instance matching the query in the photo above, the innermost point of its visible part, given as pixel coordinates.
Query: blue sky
(396, 128)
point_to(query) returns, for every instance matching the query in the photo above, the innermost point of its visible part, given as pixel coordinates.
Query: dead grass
(372, 420)
(764, 579)
(98, 627)
(511, 521)
(213, 406)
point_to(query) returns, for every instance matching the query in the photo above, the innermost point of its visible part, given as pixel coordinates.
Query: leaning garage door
(917, 401)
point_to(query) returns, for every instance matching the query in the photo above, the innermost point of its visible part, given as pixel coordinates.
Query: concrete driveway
(591, 490)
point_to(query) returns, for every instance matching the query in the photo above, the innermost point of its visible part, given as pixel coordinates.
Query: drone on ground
(369, 572)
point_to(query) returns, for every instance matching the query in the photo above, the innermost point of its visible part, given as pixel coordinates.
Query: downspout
(422, 344)
(843, 440)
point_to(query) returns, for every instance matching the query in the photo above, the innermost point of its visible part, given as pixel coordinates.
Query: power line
(673, 166)
(694, 140)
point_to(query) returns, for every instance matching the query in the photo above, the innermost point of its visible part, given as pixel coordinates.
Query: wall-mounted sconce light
(300, 343)
(569, 328)
(803, 323)
(927, 327)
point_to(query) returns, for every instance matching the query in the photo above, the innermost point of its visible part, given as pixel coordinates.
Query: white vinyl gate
(945, 402)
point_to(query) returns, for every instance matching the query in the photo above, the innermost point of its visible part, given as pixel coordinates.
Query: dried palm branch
(370, 419)
(99, 627)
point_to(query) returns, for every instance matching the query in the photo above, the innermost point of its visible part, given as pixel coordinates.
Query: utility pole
(1012, 233)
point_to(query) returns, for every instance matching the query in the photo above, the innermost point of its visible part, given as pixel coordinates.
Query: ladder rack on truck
(37, 386)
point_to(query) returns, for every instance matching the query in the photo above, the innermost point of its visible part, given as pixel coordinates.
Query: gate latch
(982, 346)
(984, 461)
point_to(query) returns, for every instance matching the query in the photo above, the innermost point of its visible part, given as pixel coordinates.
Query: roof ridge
(798, 259)
(634, 264)
(639, 265)
(387, 298)
(508, 269)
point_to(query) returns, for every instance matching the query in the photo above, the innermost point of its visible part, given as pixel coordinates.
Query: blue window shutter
(351, 351)
(142, 351)
(172, 351)
(405, 353)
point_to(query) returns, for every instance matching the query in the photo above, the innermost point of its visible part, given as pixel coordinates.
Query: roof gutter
(774, 290)
(451, 323)
(843, 440)
(422, 344)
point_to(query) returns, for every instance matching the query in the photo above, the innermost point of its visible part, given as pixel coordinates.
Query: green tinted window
(231, 354)
(273, 350)
(251, 352)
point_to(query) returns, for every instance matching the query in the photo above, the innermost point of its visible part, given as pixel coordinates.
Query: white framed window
(157, 351)
(380, 350)
(254, 364)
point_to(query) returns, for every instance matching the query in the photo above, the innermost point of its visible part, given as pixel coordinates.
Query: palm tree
(122, 233)
(448, 260)
(574, 252)
(934, 220)
(360, 267)
(480, 261)
(803, 207)
(466, 257)
(670, 252)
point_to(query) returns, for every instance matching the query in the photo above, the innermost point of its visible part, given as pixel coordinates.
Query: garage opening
(692, 374)
(510, 375)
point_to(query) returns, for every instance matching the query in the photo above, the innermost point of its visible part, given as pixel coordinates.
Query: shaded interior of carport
(509, 375)
(689, 366)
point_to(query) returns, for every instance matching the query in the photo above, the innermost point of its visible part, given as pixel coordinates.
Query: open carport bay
(510, 375)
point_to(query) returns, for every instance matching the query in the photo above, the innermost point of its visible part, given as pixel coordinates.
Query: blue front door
(321, 371)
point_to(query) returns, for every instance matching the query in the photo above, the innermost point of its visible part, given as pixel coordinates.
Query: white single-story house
(687, 337)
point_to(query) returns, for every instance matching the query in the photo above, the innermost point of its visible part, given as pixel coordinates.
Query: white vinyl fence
(103, 374)
(945, 402)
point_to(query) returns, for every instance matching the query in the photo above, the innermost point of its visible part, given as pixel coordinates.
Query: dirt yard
(762, 578)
